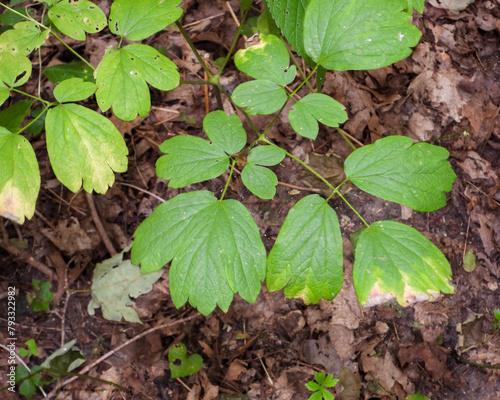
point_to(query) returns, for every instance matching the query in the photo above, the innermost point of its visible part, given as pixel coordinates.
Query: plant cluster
(212, 243)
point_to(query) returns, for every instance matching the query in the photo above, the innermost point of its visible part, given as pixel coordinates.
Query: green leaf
(395, 169)
(314, 107)
(330, 382)
(137, 20)
(65, 359)
(417, 396)
(225, 131)
(496, 313)
(267, 60)
(319, 377)
(245, 5)
(262, 181)
(358, 34)
(75, 18)
(84, 145)
(74, 89)
(289, 16)
(4, 93)
(29, 385)
(23, 39)
(215, 249)
(41, 296)
(307, 255)
(190, 159)
(316, 396)
(417, 5)
(115, 282)
(12, 18)
(259, 97)
(394, 258)
(122, 78)
(15, 69)
(313, 386)
(36, 127)
(12, 117)
(469, 261)
(73, 69)
(32, 348)
(188, 365)
(326, 394)
(19, 177)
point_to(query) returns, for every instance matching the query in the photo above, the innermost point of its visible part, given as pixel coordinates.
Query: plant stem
(194, 82)
(233, 45)
(299, 68)
(34, 119)
(228, 180)
(47, 103)
(194, 49)
(346, 139)
(28, 17)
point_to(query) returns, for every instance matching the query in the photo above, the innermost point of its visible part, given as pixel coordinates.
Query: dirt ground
(270, 349)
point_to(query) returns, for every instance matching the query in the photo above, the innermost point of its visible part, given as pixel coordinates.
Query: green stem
(299, 68)
(464, 134)
(28, 17)
(73, 51)
(34, 120)
(194, 49)
(218, 97)
(228, 180)
(233, 45)
(194, 82)
(346, 139)
(47, 103)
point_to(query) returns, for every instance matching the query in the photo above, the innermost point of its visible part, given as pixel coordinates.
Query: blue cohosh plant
(212, 243)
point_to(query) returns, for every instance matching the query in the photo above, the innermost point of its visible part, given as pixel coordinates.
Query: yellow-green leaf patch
(23, 39)
(16, 69)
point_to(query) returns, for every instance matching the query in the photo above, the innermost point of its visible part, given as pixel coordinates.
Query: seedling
(30, 350)
(319, 386)
(212, 243)
(41, 296)
(182, 365)
(496, 322)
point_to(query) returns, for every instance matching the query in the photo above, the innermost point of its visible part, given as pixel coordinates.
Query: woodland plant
(212, 243)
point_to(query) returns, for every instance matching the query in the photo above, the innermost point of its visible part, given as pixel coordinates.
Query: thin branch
(99, 226)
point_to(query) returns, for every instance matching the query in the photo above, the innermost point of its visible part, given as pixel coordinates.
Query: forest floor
(270, 349)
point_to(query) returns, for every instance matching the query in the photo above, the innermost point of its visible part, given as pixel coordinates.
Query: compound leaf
(214, 246)
(314, 107)
(19, 177)
(395, 169)
(394, 258)
(74, 89)
(259, 97)
(225, 131)
(188, 365)
(358, 34)
(260, 181)
(73, 69)
(137, 20)
(77, 17)
(15, 69)
(122, 78)
(84, 145)
(307, 255)
(289, 16)
(115, 282)
(267, 60)
(190, 159)
(23, 39)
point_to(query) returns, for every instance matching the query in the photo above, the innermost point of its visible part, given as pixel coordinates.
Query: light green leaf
(289, 16)
(23, 39)
(190, 159)
(267, 60)
(215, 249)
(395, 169)
(188, 365)
(316, 396)
(74, 89)
(417, 396)
(84, 145)
(394, 258)
(307, 255)
(266, 155)
(75, 18)
(259, 97)
(12, 117)
(4, 93)
(122, 75)
(260, 181)
(314, 107)
(358, 34)
(19, 177)
(137, 20)
(15, 69)
(469, 261)
(225, 131)
(313, 386)
(115, 283)
(73, 69)
(417, 5)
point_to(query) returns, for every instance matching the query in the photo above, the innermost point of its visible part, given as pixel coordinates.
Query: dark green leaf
(74, 69)
(12, 117)
(188, 365)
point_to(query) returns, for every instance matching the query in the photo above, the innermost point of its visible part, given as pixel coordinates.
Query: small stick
(299, 187)
(113, 351)
(99, 226)
(231, 11)
(142, 190)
